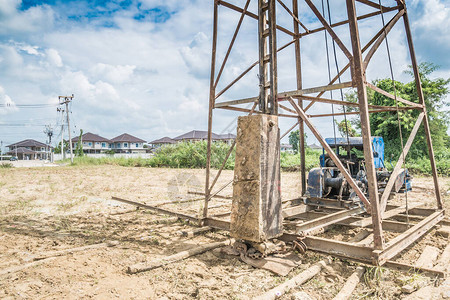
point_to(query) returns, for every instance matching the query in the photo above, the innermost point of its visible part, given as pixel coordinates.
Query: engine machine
(327, 185)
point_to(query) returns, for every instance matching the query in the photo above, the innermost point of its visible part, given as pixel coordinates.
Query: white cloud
(54, 58)
(113, 74)
(33, 20)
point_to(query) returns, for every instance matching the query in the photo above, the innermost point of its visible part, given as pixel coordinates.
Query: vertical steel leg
(212, 92)
(359, 81)
(298, 67)
(422, 101)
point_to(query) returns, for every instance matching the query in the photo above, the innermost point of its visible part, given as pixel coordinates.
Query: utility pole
(62, 132)
(66, 100)
(49, 132)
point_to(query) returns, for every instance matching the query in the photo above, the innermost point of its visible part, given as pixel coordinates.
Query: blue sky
(142, 67)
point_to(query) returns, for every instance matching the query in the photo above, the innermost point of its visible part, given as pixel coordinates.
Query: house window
(118, 145)
(137, 145)
(125, 145)
(90, 144)
(103, 145)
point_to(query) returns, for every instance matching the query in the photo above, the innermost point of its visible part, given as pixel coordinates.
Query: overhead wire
(329, 79)
(339, 79)
(397, 107)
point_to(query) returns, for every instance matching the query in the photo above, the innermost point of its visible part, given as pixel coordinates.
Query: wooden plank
(294, 282)
(156, 209)
(142, 267)
(350, 284)
(427, 258)
(443, 263)
(410, 268)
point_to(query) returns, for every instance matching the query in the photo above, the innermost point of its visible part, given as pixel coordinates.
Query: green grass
(193, 155)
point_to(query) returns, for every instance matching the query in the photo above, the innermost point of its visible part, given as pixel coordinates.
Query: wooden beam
(156, 209)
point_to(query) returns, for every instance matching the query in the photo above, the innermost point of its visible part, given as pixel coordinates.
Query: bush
(6, 165)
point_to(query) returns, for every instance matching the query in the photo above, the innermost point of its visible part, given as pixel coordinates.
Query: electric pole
(49, 132)
(66, 100)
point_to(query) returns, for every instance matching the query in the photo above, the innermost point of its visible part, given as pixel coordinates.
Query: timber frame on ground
(375, 212)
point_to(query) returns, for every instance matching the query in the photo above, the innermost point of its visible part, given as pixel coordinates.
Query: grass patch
(6, 165)
(193, 155)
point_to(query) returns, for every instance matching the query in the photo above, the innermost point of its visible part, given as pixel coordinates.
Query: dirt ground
(47, 209)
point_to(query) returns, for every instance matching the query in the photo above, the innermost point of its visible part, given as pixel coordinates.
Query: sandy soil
(48, 209)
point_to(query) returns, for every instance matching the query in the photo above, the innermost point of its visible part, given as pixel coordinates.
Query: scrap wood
(72, 250)
(278, 265)
(350, 285)
(292, 283)
(427, 258)
(24, 266)
(195, 231)
(443, 263)
(142, 267)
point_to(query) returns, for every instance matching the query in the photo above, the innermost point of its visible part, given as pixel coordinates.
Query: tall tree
(386, 124)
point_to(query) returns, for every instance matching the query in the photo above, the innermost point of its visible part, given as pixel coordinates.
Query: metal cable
(329, 79)
(396, 106)
(339, 78)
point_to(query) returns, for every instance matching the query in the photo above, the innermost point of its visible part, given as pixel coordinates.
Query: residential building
(162, 142)
(227, 138)
(286, 148)
(92, 143)
(200, 135)
(28, 149)
(126, 143)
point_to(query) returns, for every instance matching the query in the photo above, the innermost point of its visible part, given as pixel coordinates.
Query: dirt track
(48, 209)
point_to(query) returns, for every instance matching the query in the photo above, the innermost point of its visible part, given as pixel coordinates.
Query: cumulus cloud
(113, 74)
(53, 57)
(15, 21)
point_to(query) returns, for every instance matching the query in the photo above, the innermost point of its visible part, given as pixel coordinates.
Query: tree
(294, 140)
(79, 148)
(343, 129)
(386, 124)
(58, 147)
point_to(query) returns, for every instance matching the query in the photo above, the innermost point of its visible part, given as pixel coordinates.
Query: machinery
(327, 185)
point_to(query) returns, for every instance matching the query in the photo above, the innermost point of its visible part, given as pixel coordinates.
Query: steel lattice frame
(357, 64)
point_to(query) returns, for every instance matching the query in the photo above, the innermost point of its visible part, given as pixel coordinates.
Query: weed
(6, 165)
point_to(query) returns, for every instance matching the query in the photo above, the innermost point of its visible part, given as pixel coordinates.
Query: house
(286, 148)
(315, 147)
(28, 149)
(227, 138)
(92, 143)
(200, 135)
(126, 143)
(162, 142)
(195, 136)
